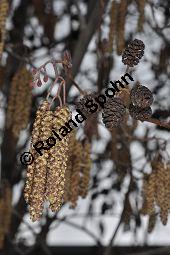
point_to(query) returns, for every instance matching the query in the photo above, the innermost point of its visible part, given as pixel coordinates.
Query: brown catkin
(4, 6)
(121, 26)
(5, 212)
(76, 159)
(168, 183)
(85, 170)
(112, 27)
(161, 189)
(57, 163)
(8, 208)
(35, 137)
(20, 100)
(149, 192)
(2, 212)
(141, 19)
(2, 75)
(127, 213)
(67, 192)
(40, 170)
(151, 223)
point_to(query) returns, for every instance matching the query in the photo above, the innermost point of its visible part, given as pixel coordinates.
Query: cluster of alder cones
(156, 191)
(137, 101)
(61, 174)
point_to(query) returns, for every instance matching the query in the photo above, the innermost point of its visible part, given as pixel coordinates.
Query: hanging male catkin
(5, 212)
(35, 137)
(112, 27)
(121, 26)
(76, 160)
(19, 103)
(85, 169)
(40, 170)
(141, 19)
(4, 6)
(57, 163)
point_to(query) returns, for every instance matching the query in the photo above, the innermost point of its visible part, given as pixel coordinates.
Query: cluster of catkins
(4, 6)
(156, 191)
(5, 211)
(140, 97)
(54, 176)
(19, 102)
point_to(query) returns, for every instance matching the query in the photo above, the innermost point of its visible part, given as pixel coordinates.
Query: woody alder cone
(141, 96)
(139, 113)
(113, 113)
(87, 98)
(133, 53)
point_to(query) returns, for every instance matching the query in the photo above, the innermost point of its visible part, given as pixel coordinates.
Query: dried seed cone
(4, 6)
(151, 223)
(85, 170)
(40, 170)
(57, 162)
(35, 137)
(89, 99)
(133, 53)
(140, 113)
(113, 113)
(141, 96)
(20, 101)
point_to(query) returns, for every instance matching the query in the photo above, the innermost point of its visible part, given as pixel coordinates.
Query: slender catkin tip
(151, 223)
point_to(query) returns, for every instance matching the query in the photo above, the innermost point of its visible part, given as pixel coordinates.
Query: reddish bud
(39, 83)
(45, 78)
(34, 71)
(32, 84)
